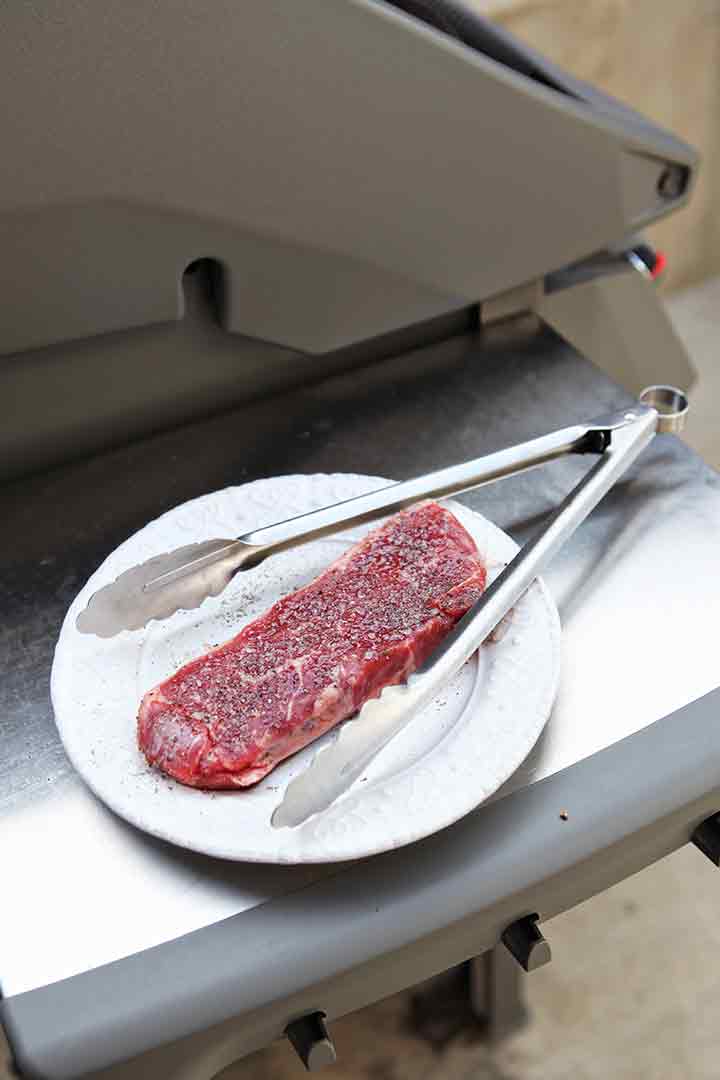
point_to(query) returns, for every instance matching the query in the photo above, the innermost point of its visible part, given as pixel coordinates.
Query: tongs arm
(336, 767)
(592, 437)
(185, 577)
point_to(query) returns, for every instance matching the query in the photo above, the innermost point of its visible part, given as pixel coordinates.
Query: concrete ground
(633, 992)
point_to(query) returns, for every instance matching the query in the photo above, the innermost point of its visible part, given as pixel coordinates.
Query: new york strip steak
(229, 717)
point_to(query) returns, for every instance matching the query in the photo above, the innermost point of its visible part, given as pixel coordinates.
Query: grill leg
(497, 992)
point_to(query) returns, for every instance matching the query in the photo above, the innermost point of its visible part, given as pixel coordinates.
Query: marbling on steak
(229, 717)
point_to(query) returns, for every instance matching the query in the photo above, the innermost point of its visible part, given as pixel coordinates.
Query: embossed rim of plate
(413, 802)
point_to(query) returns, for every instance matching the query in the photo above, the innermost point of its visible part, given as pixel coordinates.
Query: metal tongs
(619, 438)
(183, 578)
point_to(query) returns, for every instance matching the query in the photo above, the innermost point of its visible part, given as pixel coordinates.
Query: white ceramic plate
(442, 765)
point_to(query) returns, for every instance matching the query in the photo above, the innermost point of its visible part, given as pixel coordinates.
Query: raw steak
(226, 719)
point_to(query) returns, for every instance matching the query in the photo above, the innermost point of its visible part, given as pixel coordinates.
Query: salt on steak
(229, 717)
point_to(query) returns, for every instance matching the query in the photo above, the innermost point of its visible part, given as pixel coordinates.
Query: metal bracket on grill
(525, 941)
(706, 838)
(310, 1038)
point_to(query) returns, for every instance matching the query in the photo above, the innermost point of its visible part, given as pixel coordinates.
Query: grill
(488, 285)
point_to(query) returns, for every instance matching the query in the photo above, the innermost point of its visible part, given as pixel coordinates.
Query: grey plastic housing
(350, 169)
(77, 397)
(345, 180)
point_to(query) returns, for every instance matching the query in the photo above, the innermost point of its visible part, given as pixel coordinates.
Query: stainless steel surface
(115, 891)
(671, 406)
(335, 768)
(183, 578)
